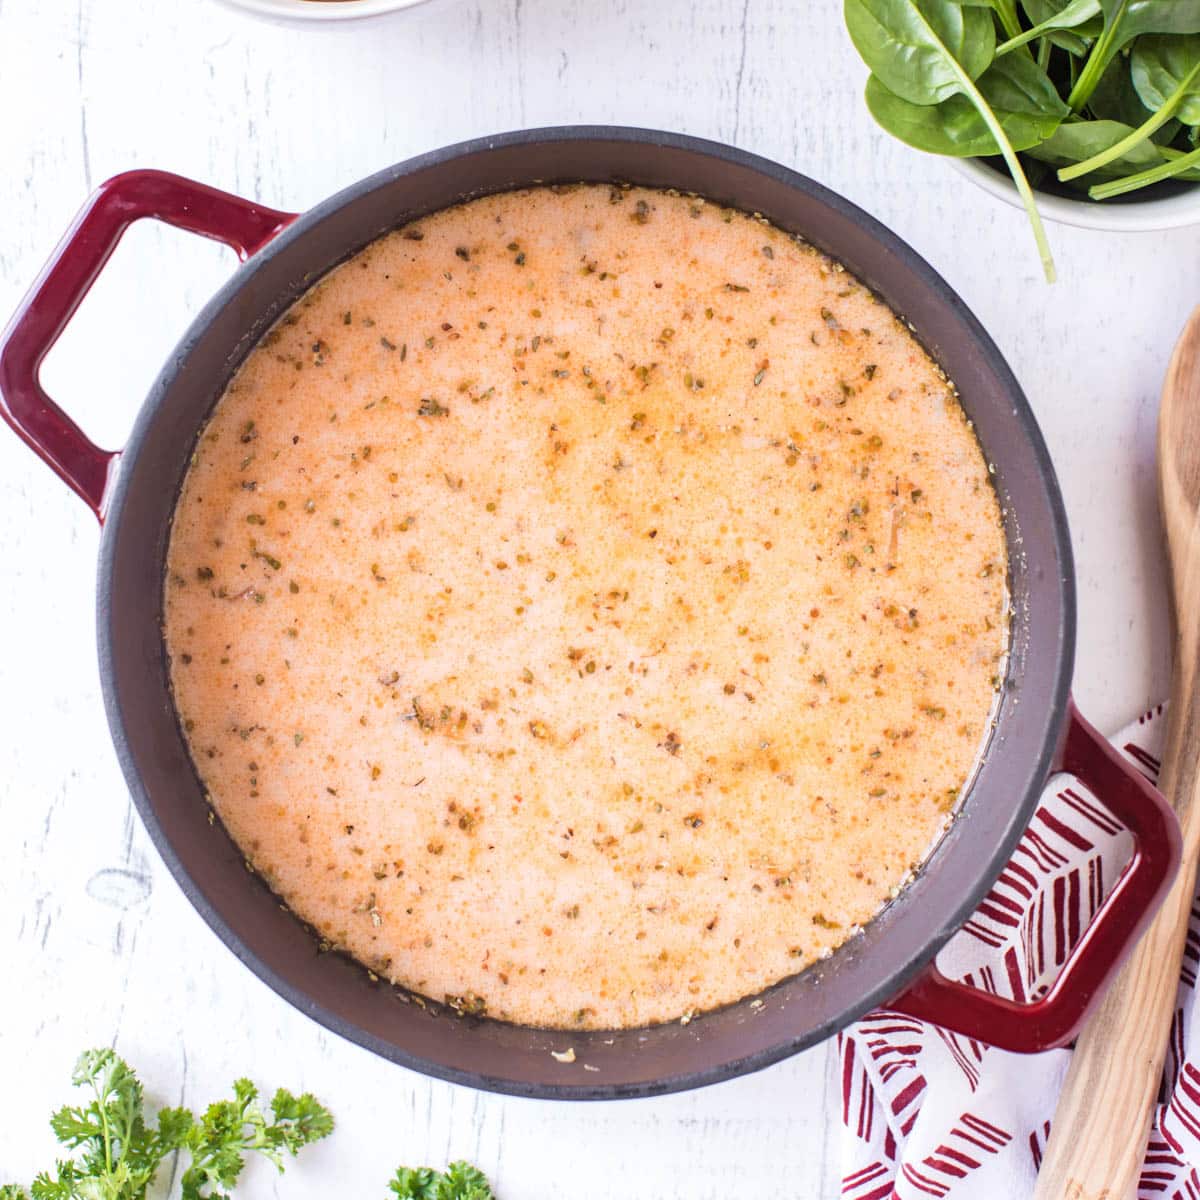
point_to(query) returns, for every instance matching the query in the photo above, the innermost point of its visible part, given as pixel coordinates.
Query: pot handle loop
(1055, 1018)
(73, 267)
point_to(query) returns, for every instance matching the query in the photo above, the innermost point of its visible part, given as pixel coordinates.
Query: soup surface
(585, 606)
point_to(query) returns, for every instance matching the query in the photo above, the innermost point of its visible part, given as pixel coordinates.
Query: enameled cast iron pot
(133, 493)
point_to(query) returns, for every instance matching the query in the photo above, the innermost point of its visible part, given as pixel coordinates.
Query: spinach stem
(1131, 183)
(967, 85)
(1024, 190)
(1006, 10)
(1097, 62)
(1146, 129)
(1171, 154)
(1040, 30)
(1014, 43)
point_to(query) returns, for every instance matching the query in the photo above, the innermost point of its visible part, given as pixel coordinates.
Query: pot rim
(946, 923)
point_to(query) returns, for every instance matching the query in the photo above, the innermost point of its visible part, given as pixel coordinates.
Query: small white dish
(317, 12)
(1135, 216)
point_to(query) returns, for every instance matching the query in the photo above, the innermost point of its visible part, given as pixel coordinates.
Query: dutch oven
(1037, 729)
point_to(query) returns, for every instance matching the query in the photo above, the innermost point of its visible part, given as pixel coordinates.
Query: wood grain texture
(1099, 1130)
(100, 947)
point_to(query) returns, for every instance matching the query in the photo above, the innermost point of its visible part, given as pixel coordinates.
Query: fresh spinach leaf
(1158, 63)
(1019, 92)
(1165, 72)
(1132, 18)
(1016, 84)
(1074, 141)
(1073, 15)
(1075, 41)
(1116, 99)
(914, 48)
(1040, 11)
(922, 50)
(1125, 20)
(1005, 10)
(1119, 110)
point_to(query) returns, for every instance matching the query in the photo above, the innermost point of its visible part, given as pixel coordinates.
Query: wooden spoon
(1099, 1133)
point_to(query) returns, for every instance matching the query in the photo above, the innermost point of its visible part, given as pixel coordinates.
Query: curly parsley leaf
(460, 1181)
(231, 1129)
(465, 1182)
(118, 1153)
(299, 1120)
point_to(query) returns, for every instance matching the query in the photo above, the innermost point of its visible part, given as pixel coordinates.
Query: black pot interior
(489, 1054)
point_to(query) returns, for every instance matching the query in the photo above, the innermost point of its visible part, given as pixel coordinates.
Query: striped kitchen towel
(930, 1114)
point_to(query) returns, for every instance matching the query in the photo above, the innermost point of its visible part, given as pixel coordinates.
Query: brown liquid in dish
(585, 606)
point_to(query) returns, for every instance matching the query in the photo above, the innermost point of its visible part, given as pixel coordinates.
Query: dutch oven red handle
(1055, 1019)
(62, 285)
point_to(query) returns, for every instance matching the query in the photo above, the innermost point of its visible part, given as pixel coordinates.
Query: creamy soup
(586, 606)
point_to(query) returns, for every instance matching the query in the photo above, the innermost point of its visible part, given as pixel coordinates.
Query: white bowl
(1134, 216)
(316, 12)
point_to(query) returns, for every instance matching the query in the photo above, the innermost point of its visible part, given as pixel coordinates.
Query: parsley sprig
(460, 1181)
(118, 1153)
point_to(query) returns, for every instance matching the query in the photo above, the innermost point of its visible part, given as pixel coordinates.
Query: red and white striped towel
(930, 1114)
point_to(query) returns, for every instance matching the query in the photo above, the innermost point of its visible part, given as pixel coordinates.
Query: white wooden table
(99, 945)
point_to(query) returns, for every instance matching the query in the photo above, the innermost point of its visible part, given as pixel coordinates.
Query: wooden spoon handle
(1098, 1136)
(1099, 1131)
